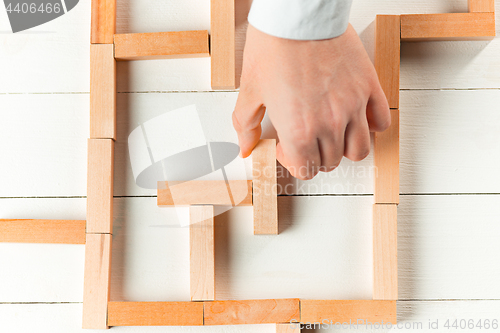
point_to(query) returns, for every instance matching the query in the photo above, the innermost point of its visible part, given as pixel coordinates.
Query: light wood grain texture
(385, 251)
(96, 281)
(386, 161)
(102, 92)
(204, 192)
(42, 231)
(456, 26)
(155, 313)
(481, 6)
(387, 54)
(103, 22)
(162, 45)
(100, 186)
(287, 328)
(222, 43)
(201, 253)
(265, 204)
(347, 310)
(264, 311)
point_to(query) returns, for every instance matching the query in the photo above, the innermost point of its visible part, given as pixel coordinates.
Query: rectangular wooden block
(162, 45)
(100, 186)
(387, 55)
(102, 92)
(201, 253)
(456, 26)
(96, 280)
(42, 231)
(222, 44)
(386, 161)
(265, 200)
(205, 192)
(155, 313)
(385, 252)
(354, 311)
(103, 21)
(266, 311)
(288, 328)
(481, 6)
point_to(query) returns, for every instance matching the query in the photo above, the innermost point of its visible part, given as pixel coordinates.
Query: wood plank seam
(42, 231)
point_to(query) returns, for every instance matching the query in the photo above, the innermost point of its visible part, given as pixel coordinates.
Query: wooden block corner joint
(481, 6)
(96, 280)
(265, 201)
(103, 21)
(385, 252)
(387, 56)
(162, 45)
(201, 253)
(42, 231)
(386, 161)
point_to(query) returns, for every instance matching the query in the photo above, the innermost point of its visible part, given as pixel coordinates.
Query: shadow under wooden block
(42, 231)
(162, 45)
(103, 21)
(385, 252)
(265, 200)
(481, 6)
(96, 281)
(265, 311)
(222, 44)
(355, 311)
(155, 313)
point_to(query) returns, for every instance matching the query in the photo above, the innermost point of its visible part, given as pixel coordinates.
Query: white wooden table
(449, 216)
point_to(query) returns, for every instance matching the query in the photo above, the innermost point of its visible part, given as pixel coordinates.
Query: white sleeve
(301, 19)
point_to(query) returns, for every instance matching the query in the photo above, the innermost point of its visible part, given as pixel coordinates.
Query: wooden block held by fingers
(387, 55)
(155, 313)
(386, 161)
(288, 328)
(265, 311)
(385, 252)
(162, 45)
(265, 200)
(100, 186)
(481, 6)
(204, 192)
(222, 44)
(201, 253)
(42, 231)
(102, 92)
(96, 280)
(348, 310)
(456, 26)
(103, 23)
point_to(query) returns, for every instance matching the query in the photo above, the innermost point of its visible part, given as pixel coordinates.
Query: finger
(357, 140)
(331, 148)
(377, 111)
(301, 157)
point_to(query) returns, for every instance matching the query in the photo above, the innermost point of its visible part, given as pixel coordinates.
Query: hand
(323, 98)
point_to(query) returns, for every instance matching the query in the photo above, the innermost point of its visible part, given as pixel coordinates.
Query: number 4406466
(34, 8)
(472, 324)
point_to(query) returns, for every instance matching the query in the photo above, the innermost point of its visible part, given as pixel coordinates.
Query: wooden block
(96, 280)
(155, 313)
(266, 311)
(481, 6)
(386, 161)
(102, 92)
(162, 45)
(222, 27)
(265, 200)
(100, 186)
(103, 23)
(201, 253)
(204, 192)
(312, 311)
(385, 252)
(288, 328)
(457, 26)
(387, 55)
(42, 231)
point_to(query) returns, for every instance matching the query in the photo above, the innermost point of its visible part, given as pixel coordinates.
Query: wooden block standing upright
(222, 44)
(385, 252)
(265, 200)
(100, 186)
(386, 161)
(43, 231)
(481, 6)
(96, 281)
(103, 21)
(387, 55)
(201, 253)
(102, 92)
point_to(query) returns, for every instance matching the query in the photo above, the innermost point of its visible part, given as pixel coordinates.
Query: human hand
(323, 98)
